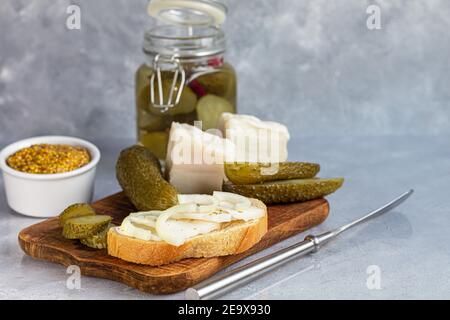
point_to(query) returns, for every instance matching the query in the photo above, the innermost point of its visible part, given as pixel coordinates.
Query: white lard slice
(255, 140)
(195, 159)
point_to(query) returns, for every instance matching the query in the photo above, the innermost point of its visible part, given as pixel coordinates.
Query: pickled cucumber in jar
(156, 142)
(209, 109)
(209, 91)
(221, 83)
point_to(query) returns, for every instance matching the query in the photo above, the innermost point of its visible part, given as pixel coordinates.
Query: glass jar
(185, 77)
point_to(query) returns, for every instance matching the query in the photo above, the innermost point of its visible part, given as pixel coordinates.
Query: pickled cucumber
(83, 227)
(74, 211)
(210, 108)
(149, 122)
(139, 174)
(98, 240)
(188, 99)
(143, 79)
(221, 83)
(248, 173)
(286, 191)
(156, 142)
(143, 98)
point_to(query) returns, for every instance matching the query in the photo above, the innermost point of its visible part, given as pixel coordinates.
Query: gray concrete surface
(312, 64)
(409, 245)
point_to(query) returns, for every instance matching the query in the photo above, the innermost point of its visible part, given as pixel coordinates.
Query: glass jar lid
(184, 43)
(191, 30)
(188, 12)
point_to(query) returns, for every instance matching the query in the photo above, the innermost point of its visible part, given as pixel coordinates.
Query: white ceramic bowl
(46, 195)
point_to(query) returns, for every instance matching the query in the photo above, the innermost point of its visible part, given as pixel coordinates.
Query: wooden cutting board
(44, 241)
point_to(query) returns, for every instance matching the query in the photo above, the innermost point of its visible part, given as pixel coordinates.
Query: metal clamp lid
(176, 87)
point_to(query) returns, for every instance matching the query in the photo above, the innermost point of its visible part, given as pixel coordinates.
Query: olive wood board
(44, 241)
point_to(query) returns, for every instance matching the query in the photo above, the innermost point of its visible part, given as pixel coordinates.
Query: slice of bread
(234, 237)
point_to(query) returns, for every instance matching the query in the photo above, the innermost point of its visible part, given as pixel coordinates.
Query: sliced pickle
(83, 227)
(156, 142)
(98, 240)
(249, 173)
(286, 191)
(74, 211)
(210, 108)
(139, 174)
(188, 99)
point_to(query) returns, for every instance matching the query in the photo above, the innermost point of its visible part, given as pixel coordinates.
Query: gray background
(313, 65)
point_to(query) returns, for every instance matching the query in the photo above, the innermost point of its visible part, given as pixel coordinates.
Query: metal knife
(218, 285)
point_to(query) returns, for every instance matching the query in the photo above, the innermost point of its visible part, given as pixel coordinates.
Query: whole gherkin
(286, 191)
(250, 173)
(139, 174)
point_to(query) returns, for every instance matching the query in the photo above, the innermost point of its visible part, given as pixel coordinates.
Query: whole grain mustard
(49, 158)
